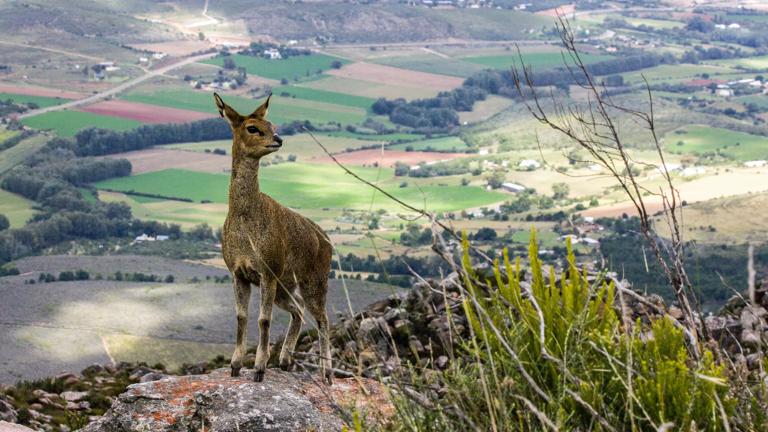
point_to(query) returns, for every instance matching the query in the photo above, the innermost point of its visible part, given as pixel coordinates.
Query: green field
(752, 63)
(16, 208)
(281, 109)
(40, 101)
(433, 64)
(536, 60)
(703, 139)
(290, 68)
(324, 96)
(68, 123)
(307, 186)
(17, 154)
(446, 144)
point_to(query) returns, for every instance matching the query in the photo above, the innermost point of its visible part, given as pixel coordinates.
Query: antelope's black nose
(277, 139)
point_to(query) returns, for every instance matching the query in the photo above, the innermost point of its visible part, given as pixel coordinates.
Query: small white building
(755, 163)
(272, 54)
(693, 171)
(513, 187)
(529, 164)
(159, 56)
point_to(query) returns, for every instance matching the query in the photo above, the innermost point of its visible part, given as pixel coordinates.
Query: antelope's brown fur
(285, 255)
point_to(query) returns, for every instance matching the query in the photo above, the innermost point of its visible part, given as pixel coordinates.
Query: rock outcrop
(284, 401)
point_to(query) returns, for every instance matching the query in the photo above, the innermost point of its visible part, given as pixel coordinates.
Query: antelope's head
(253, 135)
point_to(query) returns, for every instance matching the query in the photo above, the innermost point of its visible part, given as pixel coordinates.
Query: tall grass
(559, 354)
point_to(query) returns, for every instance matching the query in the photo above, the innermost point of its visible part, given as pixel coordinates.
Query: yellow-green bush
(556, 355)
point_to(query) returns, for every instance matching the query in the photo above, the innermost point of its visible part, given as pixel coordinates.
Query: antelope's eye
(253, 130)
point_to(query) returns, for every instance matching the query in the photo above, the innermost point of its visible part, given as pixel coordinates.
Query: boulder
(12, 427)
(284, 401)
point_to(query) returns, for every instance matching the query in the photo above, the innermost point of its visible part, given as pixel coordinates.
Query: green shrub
(556, 355)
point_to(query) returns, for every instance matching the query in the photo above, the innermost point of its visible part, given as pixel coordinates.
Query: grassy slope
(307, 186)
(15, 155)
(446, 144)
(41, 101)
(68, 123)
(325, 96)
(299, 66)
(16, 208)
(702, 139)
(541, 60)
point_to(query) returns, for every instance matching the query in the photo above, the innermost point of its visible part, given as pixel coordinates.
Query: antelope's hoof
(328, 378)
(258, 376)
(286, 365)
(235, 372)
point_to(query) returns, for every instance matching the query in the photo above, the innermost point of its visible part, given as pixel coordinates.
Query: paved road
(120, 88)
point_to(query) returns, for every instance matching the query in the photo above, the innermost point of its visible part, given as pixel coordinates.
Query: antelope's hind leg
(321, 316)
(268, 291)
(242, 299)
(294, 305)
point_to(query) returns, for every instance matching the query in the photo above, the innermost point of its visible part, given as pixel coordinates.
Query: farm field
(446, 144)
(68, 123)
(157, 159)
(307, 186)
(388, 75)
(431, 63)
(537, 61)
(312, 94)
(293, 67)
(281, 109)
(153, 322)
(749, 226)
(752, 63)
(697, 140)
(300, 145)
(145, 113)
(388, 158)
(679, 73)
(16, 208)
(370, 89)
(39, 91)
(40, 101)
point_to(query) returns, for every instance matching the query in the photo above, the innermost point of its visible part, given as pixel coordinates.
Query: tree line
(440, 114)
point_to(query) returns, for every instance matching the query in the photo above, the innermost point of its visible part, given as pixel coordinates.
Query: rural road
(120, 88)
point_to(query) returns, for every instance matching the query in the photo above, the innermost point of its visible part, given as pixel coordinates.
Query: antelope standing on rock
(272, 247)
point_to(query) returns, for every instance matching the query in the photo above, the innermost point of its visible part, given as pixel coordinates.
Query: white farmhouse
(272, 54)
(529, 164)
(513, 187)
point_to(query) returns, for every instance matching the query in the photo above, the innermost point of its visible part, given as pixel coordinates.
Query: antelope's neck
(244, 184)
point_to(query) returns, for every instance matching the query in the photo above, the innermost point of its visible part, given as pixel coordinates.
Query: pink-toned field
(39, 91)
(389, 75)
(563, 10)
(175, 48)
(144, 112)
(388, 158)
(158, 159)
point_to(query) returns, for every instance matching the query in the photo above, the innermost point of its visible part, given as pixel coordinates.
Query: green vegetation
(15, 155)
(706, 141)
(324, 96)
(281, 109)
(568, 360)
(307, 186)
(68, 123)
(290, 68)
(433, 64)
(40, 101)
(16, 208)
(536, 60)
(446, 144)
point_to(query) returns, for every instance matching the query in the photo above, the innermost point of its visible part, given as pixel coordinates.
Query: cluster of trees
(425, 266)
(413, 236)
(435, 170)
(14, 140)
(623, 249)
(439, 114)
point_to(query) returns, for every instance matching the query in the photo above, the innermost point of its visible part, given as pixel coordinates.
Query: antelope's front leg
(268, 291)
(242, 299)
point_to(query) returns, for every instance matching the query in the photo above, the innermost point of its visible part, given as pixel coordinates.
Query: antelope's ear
(227, 112)
(261, 112)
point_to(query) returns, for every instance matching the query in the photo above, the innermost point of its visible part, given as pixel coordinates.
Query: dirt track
(388, 158)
